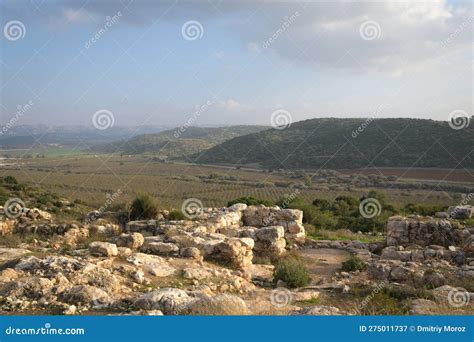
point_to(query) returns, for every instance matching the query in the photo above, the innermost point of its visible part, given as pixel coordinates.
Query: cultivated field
(91, 177)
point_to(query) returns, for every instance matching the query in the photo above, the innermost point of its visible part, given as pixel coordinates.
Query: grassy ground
(343, 235)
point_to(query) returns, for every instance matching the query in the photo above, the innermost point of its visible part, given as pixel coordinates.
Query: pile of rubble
(155, 266)
(424, 251)
(231, 235)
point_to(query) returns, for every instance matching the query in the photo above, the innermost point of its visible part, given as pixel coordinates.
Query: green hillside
(335, 144)
(175, 144)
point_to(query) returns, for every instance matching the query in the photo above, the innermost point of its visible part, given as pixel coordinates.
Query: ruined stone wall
(424, 231)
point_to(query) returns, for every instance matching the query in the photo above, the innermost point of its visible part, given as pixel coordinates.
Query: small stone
(71, 310)
(138, 276)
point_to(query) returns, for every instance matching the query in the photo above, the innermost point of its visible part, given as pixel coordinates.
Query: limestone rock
(152, 264)
(159, 248)
(220, 305)
(86, 294)
(234, 252)
(191, 252)
(10, 256)
(319, 310)
(99, 248)
(132, 240)
(170, 301)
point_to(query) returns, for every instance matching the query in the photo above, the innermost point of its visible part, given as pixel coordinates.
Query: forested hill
(178, 143)
(350, 143)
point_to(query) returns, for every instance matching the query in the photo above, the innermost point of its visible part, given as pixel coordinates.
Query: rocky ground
(219, 264)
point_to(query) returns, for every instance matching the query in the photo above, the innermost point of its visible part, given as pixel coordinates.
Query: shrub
(292, 271)
(10, 180)
(176, 215)
(322, 204)
(353, 264)
(143, 207)
(249, 201)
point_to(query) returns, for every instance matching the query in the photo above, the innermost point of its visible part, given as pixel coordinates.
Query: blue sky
(320, 64)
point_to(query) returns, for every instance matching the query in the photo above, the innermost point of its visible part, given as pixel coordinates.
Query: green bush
(353, 264)
(322, 204)
(143, 207)
(176, 215)
(292, 271)
(250, 201)
(10, 180)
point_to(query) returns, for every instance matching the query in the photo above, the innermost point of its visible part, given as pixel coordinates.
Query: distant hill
(175, 144)
(30, 136)
(335, 144)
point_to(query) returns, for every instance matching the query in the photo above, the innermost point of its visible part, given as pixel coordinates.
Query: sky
(233, 62)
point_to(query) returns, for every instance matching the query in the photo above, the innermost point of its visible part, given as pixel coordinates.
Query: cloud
(329, 34)
(232, 105)
(322, 34)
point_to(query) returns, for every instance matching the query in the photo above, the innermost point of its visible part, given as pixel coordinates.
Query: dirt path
(324, 262)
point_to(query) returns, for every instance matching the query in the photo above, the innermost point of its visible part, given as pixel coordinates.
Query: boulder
(392, 253)
(99, 248)
(37, 214)
(6, 226)
(270, 241)
(160, 248)
(378, 271)
(233, 252)
(433, 279)
(190, 252)
(197, 273)
(170, 301)
(9, 257)
(153, 264)
(319, 310)
(400, 273)
(220, 305)
(461, 212)
(87, 295)
(132, 240)
(124, 252)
